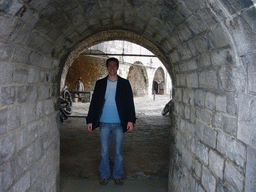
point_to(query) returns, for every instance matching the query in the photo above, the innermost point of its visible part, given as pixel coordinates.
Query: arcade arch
(159, 81)
(138, 78)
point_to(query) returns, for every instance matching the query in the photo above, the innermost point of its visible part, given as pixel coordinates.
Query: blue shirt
(109, 112)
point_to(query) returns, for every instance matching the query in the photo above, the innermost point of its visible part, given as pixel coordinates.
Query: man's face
(112, 68)
(79, 81)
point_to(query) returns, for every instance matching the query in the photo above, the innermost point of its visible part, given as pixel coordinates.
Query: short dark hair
(112, 59)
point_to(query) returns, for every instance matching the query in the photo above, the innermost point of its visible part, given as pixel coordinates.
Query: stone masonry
(207, 46)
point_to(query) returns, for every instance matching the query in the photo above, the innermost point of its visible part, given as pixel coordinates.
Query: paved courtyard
(145, 149)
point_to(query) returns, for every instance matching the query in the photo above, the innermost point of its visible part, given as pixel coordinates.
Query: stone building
(207, 46)
(144, 71)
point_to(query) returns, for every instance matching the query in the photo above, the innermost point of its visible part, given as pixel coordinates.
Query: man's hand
(89, 126)
(129, 126)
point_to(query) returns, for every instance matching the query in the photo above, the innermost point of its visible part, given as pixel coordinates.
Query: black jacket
(124, 102)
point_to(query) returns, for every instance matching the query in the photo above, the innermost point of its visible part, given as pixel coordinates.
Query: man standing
(79, 87)
(112, 109)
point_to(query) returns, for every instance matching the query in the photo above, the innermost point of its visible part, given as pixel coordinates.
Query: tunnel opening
(207, 47)
(80, 153)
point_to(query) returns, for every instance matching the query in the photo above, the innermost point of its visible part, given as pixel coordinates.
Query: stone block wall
(213, 112)
(29, 135)
(89, 69)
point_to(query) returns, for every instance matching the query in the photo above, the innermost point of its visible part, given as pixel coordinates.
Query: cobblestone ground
(145, 149)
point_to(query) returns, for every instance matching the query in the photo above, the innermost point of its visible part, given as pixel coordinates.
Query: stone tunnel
(207, 46)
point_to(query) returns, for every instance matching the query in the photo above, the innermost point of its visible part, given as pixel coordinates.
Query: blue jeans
(106, 129)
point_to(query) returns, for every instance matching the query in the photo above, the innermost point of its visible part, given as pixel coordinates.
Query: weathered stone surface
(7, 147)
(250, 62)
(219, 38)
(49, 106)
(21, 55)
(21, 33)
(187, 112)
(33, 75)
(229, 125)
(202, 44)
(8, 95)
(28, 112)
(233, 177)
(189, 96)
(7, 25)
(175, 57)
(20, 74)
(8, 178)
(23, 184)
(3, 121)
(182, 80)
(204, 60)
(191, 144)
(184, 33)
(202, 152)
(39, 148)
(210, 136)
(6, 73)
(208, 79)
(204, 115)
(6, 51)
(187, 157)
(246, 120)
(192, 64)
(178, 94)
(250, 177)
(243, 36)
(198, 169)
(21, 138)
(200, 98)
(249, 15)
(222, 187)
(208, 180)
(225, 80)
(210, 100)
(184, 52)
(32, 132)
(44, 92)
(216, 163)
(199, 130)
(232, 104)
(192, 80)
(27, 93)
(36, 171)
(217, 120)
(232, 148)
(221, 103)
(236, 5)
(35, 58)
(40, 109)
(14, 118)
(196, 24)
(222, 57)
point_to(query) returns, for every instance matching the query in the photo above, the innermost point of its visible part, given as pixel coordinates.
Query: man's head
(112, 67)
(112, 59)
(79, 80)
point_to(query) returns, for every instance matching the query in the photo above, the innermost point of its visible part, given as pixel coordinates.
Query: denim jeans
(106, 129)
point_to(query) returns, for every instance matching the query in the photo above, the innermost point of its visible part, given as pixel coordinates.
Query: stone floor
(145, 149)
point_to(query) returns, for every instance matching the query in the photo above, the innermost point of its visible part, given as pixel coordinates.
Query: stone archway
(138, 78)
(105, 36)
(159, 81)
(207, 46)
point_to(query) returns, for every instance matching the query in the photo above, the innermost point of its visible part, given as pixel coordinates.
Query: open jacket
(124, 103)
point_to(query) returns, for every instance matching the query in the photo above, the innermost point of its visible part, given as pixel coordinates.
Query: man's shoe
(119, 181)
(103, 181)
